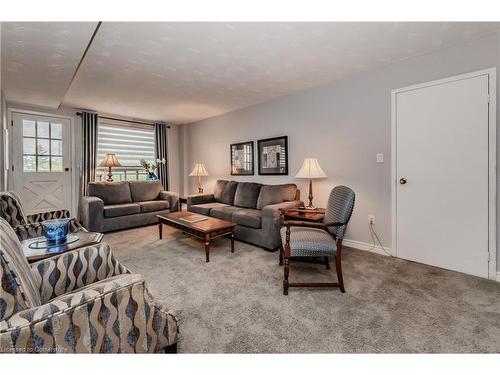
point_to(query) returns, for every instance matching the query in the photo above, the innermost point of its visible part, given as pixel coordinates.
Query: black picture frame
(245, 151)
(273, 156)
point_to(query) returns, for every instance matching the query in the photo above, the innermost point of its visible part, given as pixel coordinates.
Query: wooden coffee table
(207, 229)
(84, 239)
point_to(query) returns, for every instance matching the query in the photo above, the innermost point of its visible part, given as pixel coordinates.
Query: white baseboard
(366, 247)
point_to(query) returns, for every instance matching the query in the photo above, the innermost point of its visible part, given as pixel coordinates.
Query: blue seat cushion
(309, 242)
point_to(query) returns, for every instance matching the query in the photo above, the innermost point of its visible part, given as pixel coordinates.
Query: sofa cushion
(150, 206)
(204, 209)
(272, 194)
(224, 191)
(248, 218)
(224, 213)
(247, 194)
(114, 210)
(111, 192)
(145, 190)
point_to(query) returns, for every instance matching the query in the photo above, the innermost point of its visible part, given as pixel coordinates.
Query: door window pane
(29, 146)
(56, 131)
(43, 164)
(29, 163)
(56, 147)
(56, 164)
(43, 130)
(42, 147)
(29, 128)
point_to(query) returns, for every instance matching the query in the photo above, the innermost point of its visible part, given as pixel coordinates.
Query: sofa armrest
(172, 198)
(271, 220)
(274, 210)
(92, 213)
(200, 199)
(74, 317)
(75, 269)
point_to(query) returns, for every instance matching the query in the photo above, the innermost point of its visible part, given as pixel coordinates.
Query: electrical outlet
(371, 219)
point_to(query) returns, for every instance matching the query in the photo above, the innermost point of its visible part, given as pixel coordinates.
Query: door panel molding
(492, 160)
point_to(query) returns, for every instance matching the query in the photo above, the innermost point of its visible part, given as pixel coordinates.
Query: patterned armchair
(82, 301)
(318, 240)
(30, 226)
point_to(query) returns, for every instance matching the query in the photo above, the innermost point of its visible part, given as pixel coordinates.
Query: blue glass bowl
(55, 231)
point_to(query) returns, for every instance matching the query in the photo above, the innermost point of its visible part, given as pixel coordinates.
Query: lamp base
(110, 176)
(310, 207)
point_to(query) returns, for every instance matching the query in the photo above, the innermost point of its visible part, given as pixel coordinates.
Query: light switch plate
(380, 158)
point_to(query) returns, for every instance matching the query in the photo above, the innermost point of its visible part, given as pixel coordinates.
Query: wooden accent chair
(319, 240)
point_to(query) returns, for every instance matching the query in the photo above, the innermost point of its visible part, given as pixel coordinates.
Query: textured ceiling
(40, 58)
(183, 72)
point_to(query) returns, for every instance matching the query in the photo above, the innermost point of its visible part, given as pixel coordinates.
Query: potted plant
(152, 167)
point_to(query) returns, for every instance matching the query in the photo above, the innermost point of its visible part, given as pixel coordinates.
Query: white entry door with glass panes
(41, 162)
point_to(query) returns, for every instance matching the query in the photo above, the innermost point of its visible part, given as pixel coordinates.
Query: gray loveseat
(253, 207)
(119, 205)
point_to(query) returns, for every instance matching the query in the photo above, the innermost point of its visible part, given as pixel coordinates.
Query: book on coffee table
(194, 218)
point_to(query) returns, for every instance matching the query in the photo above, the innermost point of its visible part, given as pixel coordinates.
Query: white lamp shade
(199, 170)
(310, 169)
(110, 161)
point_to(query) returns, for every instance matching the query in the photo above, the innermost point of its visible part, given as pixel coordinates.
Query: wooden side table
(316, 215)
(34, 255)
(182, 199)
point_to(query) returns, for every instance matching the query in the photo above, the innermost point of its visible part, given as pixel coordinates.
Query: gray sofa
(126, 204)
(253, 207)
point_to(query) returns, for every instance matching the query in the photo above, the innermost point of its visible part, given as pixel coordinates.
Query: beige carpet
(235, 304)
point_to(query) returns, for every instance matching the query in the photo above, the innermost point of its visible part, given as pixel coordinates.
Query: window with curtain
(130, 143)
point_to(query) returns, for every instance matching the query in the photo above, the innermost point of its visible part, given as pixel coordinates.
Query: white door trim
(74, 193)
(492, 192)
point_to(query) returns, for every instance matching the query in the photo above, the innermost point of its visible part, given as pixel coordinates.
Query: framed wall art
(242, 159)
(273, 156)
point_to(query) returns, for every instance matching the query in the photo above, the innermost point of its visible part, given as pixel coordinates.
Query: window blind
(129, 143)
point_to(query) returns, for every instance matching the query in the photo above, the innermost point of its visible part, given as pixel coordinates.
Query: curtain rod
(120, 119)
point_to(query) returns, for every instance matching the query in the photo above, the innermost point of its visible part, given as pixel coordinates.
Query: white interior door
(442, 151)
(41, 162)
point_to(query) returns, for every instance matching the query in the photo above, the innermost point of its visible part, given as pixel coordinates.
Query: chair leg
(172, 349)
(286, 272)
(338, 265)
(281, 255)
(327, 263)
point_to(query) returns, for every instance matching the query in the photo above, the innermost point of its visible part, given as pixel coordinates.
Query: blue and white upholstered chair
(29, 226)
(318, 240)
(82, 301)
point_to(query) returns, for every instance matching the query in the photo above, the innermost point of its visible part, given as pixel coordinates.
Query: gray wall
(343, 124)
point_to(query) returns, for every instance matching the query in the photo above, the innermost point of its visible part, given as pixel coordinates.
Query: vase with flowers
(152, 167)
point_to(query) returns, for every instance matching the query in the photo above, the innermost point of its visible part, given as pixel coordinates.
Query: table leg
(207, 249)
(160, 230)
(232, 242)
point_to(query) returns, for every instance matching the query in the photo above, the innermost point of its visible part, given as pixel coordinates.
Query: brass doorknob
(402, 180)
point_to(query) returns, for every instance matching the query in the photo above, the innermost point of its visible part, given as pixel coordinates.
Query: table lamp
(310, 169)
(199, 171)
(110, 161)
